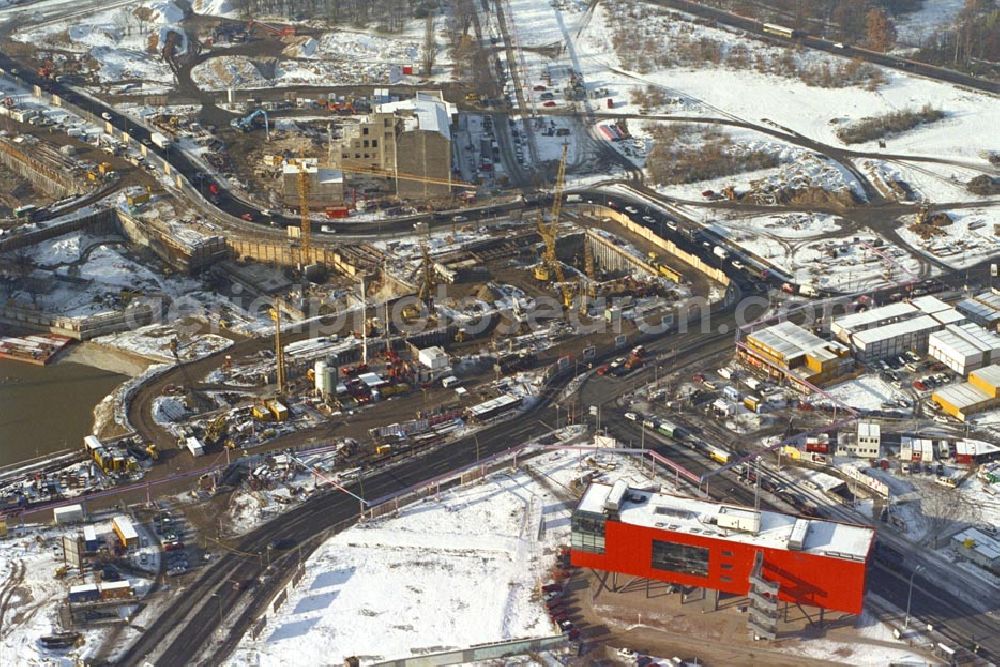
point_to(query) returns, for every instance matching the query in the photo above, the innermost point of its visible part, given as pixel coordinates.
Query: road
(830, 46)
(187, 624)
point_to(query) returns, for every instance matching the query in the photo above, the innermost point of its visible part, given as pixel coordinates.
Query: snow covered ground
(154, 342)
(868, 393)
(118, 39)
(968, 240)
(784, 102)
(406, 575)
(29, 557)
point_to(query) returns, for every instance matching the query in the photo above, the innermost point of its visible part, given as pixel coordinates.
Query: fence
(493, 651)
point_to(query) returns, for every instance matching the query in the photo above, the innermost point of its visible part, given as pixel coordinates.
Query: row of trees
(877, 127)
(389, 16)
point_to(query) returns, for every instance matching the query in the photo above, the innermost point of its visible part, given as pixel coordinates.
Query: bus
(718, 454)
(25, 211)
(779, 30)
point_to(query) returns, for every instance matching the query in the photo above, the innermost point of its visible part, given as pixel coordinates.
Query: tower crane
(305, 223)
(550, 263)
(279, 349)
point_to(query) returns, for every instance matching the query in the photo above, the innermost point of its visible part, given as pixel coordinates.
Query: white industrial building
(964, 348)
(894, 339)
(866, 445)
(844, 327)
(434, 358)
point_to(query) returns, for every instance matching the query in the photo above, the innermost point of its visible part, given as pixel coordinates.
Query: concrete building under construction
(325, 184)
(407, 142)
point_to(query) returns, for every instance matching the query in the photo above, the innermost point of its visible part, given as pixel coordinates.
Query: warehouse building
(980, 393)
(964, 348)
(983, 309)
(894, 339)
(844, 327)
(786, 351)
(692, 542)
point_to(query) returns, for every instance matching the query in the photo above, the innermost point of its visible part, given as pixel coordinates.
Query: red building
(698, 543)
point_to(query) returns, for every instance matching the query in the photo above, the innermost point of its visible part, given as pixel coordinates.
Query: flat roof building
(788, 352)
(844, 327)
(963, 400)
(694, 542)
(983, 309)
(964, 348)
(893, 339)
(976, 546)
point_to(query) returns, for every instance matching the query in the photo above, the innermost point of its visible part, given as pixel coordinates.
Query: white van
(449, 381)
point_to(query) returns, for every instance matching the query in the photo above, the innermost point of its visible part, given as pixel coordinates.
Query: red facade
(815, 580)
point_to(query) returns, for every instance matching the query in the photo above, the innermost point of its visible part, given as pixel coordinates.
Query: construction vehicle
(547, 231)
(283, 31)
(105, 168)
(137, 196)
(61, 571)
(47, 69)
(216, 431)
(248, 123)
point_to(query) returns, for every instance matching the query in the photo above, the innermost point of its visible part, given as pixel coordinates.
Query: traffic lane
(932, 604)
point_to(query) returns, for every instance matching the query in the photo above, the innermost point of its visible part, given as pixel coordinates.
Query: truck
(160, 140)
(754, 383)
(573, 199)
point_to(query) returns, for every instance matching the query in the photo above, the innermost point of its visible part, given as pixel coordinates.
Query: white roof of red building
(693, 516)
(975, 448)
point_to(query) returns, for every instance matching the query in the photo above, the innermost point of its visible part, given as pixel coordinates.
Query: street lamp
(909, 596)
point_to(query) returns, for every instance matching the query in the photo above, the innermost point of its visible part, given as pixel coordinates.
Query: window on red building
(676, 557)
(587, 532)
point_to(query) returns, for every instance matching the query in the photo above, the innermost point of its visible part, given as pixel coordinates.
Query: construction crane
(305, 224)
(550, 263)
(427, 269)
(589, 290)
(403, 176)
(279, 349)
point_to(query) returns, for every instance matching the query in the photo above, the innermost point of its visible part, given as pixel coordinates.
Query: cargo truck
(160, 140)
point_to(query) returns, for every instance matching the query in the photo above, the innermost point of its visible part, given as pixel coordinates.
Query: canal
(44, 409)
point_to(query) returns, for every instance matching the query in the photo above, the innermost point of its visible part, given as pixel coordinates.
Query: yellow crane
(550, 263)
(279, 349)
(305, 224)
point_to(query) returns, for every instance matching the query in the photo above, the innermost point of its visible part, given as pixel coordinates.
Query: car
(919, 386)
(603, 370)
(626, 653)
(459, 218)
(247, 216)
(143, 559)
(631, 416)
(552, 588)
(282, 543)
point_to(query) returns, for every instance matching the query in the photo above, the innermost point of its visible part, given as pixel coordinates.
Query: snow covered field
(868, 393)
(968, 240)
(452, 571)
